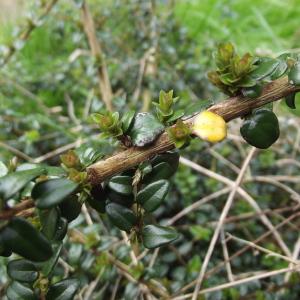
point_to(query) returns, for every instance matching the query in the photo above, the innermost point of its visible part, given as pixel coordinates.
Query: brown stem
(22, 209)
(104, 82)
(230, 109)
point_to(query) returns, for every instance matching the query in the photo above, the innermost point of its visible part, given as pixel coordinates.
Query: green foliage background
(43, 73)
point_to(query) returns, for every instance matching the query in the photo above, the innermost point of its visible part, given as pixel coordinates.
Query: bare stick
(226, 256)
(239, 282)
(220, 223)
(242, 193)
(262, 249)
(97, 52)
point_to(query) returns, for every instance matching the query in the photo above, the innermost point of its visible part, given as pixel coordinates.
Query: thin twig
(262, 249)
(220, 223)
(97, 52)
(226, 256)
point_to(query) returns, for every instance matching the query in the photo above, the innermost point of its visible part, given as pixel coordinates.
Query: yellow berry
(210, 127)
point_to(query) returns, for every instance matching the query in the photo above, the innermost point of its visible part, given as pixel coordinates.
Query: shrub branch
(229, 109)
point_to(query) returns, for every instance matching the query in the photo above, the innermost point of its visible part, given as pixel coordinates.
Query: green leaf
(294, 74)
(125, 200)
(156, 236)
(97, 199)
(88, 155)
(121, 216)
(261, 129)
(22, 270)
(290, 100)
(127, 120)
(146, 128)
(162, 170)
(70, 208)
(49, 221)
(63, 290)
(280, 70)
(247, 82)
(170, 157)
(12, 183)
(253, 92)
(48, 266)
(61, 230)
(22, 238)
(152, 195)
(121, 184)
(17, 290)
(265, 68)
(51, 192)
(177, 114)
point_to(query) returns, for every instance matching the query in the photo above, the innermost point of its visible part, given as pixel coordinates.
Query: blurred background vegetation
(50, 85)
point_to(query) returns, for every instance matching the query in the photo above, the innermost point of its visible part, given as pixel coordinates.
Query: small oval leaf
(49, 219)
(145, 130)
(12, 183)
(70, 208)
(290, 100)
(121, 216)
(17, 290)
(152, 195)
(22, 238)
(22, 270)
(261, 130)
(156, 236)
(121, 184)
(52, 192)
(265, 68)
(63, 290)
(127, 120)
(97, 199)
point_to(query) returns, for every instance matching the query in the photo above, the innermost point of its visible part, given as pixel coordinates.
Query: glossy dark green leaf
(19, 291)
(121, 184)
(48, 266)
(52, 192)
(252, 92)
(290, 100)
(70, 208)
(170, 157)
(265, 68)
(75, 253)
(22, 238)
(127, 120)
(156, 236)
(145, 130)
(261, 129)
(49, 220)
(279, 70)
(294, 74)
(125, 200)
(22, 270)
(61, 230)
(88, 155)
(121, 216)
(12, 183)
(162, 170)
(153, 195)
(98, 198)
(63, 290)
